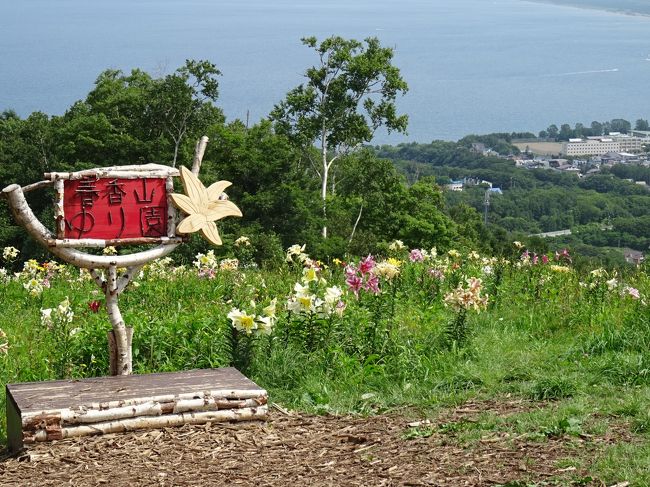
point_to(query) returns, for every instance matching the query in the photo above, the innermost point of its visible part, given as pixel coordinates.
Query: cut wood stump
(53, 410)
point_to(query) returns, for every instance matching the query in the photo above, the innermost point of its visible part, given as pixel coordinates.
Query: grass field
(540, 148)
(417, 332)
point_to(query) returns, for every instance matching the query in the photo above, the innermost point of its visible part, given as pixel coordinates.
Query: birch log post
(112, 348)
(53, 430)
(123, 357)
(120, 337)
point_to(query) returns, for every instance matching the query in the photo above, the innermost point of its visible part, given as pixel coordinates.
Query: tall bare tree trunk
(199, 151)
(324, 179)
(354, 228)
(176, 144)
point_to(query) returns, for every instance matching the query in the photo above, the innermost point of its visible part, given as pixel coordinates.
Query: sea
(473, 66)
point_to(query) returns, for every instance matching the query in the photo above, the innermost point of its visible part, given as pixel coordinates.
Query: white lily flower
(242, 321)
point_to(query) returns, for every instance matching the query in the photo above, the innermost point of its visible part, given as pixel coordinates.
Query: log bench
(53, 410)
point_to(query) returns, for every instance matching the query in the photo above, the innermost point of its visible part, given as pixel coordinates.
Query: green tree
(371, 193)
(348, 95)
(579, 130)
(182, 101)
(596, 128)
(620, 125)
(471, 231)
(565, 132)
(28, 148)
(138, 118)
(276, 195)
(641, 124)
(422, 222)
(9, 114)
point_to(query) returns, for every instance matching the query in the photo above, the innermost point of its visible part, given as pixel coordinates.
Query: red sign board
(114, 208)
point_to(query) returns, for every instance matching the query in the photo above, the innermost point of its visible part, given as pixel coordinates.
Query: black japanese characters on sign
(115, 208)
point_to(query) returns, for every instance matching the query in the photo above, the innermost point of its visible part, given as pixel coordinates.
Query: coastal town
(585, 156)
(580, 156)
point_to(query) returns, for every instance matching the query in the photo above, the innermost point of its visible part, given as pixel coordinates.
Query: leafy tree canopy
(348, 95)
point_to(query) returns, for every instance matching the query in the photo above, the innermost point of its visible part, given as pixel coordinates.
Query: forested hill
(641, 7)
(605, 211)
(353, 203)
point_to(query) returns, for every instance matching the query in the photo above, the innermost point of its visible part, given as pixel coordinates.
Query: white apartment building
(455, 186)
(593, 146)
(628, 142)
(644, 134)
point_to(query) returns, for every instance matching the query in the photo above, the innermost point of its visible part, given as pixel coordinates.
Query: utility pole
(486, 205)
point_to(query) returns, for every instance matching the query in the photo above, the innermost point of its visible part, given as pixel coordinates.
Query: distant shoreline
(611, 10)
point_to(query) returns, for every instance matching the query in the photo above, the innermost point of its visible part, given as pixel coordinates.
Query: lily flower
(271, 308)
(46, 317)
(366, 265)
(265, 324)
(4, 343)
(203, 206)
(242, 321)
(333, 295)
(354, 283)
(416, 255)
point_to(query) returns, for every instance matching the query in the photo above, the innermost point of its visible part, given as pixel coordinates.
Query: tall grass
(545, 333)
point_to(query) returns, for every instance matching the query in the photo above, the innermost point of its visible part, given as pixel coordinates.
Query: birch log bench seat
(53, 410)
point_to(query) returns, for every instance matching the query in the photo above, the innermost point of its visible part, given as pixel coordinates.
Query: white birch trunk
(228, 399)
(354, 228)
(99, 243)
(124, 361)
(112, 348)
(162, 421)
(177, 143)
(324, 179)
(121, 172)
(199, 151)
(76, 416)
(58, 209)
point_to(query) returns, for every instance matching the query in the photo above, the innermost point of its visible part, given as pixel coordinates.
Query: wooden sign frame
(149, 171)
(112, 283)
(104, 268)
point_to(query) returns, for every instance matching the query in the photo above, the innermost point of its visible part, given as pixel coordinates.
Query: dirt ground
(301, 450)
(541, 148)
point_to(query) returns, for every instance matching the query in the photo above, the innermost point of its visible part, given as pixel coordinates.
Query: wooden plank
(45, 411)
(37, 396)
(14, 424)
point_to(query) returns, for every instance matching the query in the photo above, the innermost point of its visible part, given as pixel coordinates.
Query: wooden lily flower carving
(203, 206)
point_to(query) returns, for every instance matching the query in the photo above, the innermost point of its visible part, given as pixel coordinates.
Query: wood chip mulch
(300, 450)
